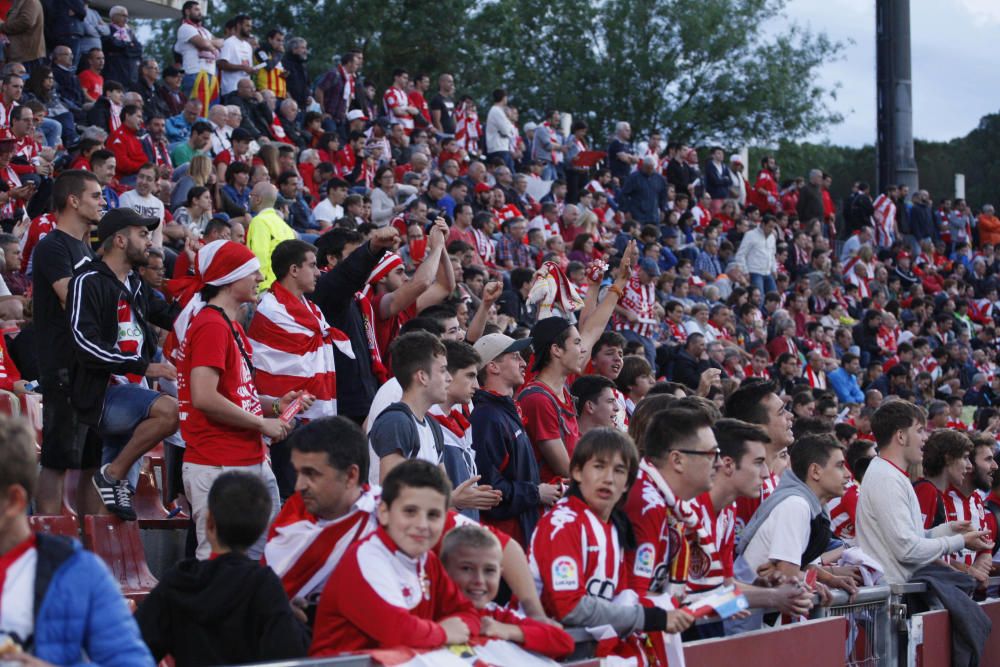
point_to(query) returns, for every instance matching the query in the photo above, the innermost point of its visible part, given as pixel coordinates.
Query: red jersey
(713, 544)
(660, 522)
(538, 637)
(843, 512)
(417, 101)
(209, 342)
(548, 417)
(37, 230)
(379, 597)
(386, 329)
(396, 98)
(575, 554)
(931, 503)
(8, 371)
(641, 300)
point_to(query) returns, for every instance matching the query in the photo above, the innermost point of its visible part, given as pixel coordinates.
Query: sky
(953, 47)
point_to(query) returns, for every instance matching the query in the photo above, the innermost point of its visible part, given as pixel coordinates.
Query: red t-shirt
(92, 83)
(386, 330)
(930, 499)
(544, 421)
(209, 342)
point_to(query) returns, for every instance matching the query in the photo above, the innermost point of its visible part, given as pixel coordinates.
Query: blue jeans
(505, 156)
(764, 282)
(52, 131)
(125, 407)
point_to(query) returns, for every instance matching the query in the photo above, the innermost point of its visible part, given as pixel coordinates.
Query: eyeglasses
(715, 453)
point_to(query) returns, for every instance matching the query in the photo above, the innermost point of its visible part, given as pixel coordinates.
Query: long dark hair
(36, 82)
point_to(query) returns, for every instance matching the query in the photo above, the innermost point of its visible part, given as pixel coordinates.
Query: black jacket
(505, 460)
(687, 370)
(922, 222)
(810, 206)
(297, 80)
(153, 103)
(92, 304)
(226, 611)
(334, 295)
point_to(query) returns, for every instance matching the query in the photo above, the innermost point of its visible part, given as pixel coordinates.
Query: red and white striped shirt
(885, 221)
(713, 544)
(843, 511)
(293, 350)
(959, 507)
(37, 230)
(393, 99)
(641, 300)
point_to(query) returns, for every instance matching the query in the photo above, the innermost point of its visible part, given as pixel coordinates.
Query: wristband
(654, 619)
(615, 289)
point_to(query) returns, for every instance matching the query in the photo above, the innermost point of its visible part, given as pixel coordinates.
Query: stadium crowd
(452, 377)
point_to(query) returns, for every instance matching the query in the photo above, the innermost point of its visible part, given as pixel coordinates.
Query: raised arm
(592, 329)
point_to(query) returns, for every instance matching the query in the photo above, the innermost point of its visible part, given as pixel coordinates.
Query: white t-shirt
(148, 207)
(17, 596)
(784, 535)
(325, 211)
(235, 52)
(193, 60)
(386, 395)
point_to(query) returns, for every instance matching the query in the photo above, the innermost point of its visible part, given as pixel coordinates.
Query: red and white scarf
(467, 130)
(484, 247)
(293, 350)
(348, 85)
(303, 551)
(389, 261)
(554, 137)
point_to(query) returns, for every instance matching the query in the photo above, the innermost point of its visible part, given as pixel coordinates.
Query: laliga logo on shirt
(644, 556)
(564, 574)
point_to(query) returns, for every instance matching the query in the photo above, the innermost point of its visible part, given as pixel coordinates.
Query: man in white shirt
(199, 50)
(331, 209)
(889, 524)
(143, 201)
(757, 253)
(499, 130)
(218, 117)
(236, 59)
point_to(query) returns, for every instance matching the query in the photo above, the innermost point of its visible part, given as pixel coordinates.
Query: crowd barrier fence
(876, 629)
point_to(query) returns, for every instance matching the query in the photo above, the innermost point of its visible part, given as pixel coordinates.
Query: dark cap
(648, 264)
(544, 333)
(118, 219)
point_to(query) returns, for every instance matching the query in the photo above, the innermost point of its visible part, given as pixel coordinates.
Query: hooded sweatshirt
(229, 610)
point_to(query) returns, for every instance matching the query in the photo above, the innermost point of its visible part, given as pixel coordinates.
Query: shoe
(115, 495)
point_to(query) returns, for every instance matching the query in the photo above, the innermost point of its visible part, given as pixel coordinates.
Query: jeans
(125, 407)
(505, 156)
(52, 130)
(764, 282)
(549, 172)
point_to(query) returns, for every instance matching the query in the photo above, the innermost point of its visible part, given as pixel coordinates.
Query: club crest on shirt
(699, 564)
(561, 515)
(565, 575)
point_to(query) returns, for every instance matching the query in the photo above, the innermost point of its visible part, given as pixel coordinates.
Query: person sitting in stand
(389, 589)
(472, 557)
(228, 609)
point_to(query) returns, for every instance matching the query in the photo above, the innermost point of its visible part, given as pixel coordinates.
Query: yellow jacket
(267, 230)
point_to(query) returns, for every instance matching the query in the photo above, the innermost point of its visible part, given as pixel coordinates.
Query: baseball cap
(735, 159)
(356, 114)
(118, 219)
(902, 255)
(491, 346)
(544, 333)
(482, 187)
(649, 266)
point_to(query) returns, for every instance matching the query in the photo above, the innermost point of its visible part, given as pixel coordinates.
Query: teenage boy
(580, 582)
(596, 404)
(453, 416)
(229, 609)
(110, 309)
(741, 473)
(560, 352)
(945, 465)
(472, 557)
(606, 360)
(757, 402)
(679, 460)
(504, 457)
(390, 590)
(963, 502)
(791, 529)
(222, 416)
(890, 528)
(402, 431)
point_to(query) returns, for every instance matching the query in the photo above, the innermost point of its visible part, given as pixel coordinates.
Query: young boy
(634, 381)
(579, 582)
(389, 589)
(228, 609)
(472, 557)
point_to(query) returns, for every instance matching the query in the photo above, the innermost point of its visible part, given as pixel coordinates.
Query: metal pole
(894, 96)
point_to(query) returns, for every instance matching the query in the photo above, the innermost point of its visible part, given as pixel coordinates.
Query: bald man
(267, 228)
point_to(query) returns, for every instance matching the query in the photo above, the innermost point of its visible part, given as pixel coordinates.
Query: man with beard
(965, 503)
(109, 311)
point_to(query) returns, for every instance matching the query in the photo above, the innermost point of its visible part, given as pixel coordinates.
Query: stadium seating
(119, 545)
(59, 524)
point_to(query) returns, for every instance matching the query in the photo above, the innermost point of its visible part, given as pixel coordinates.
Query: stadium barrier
(876, 629)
